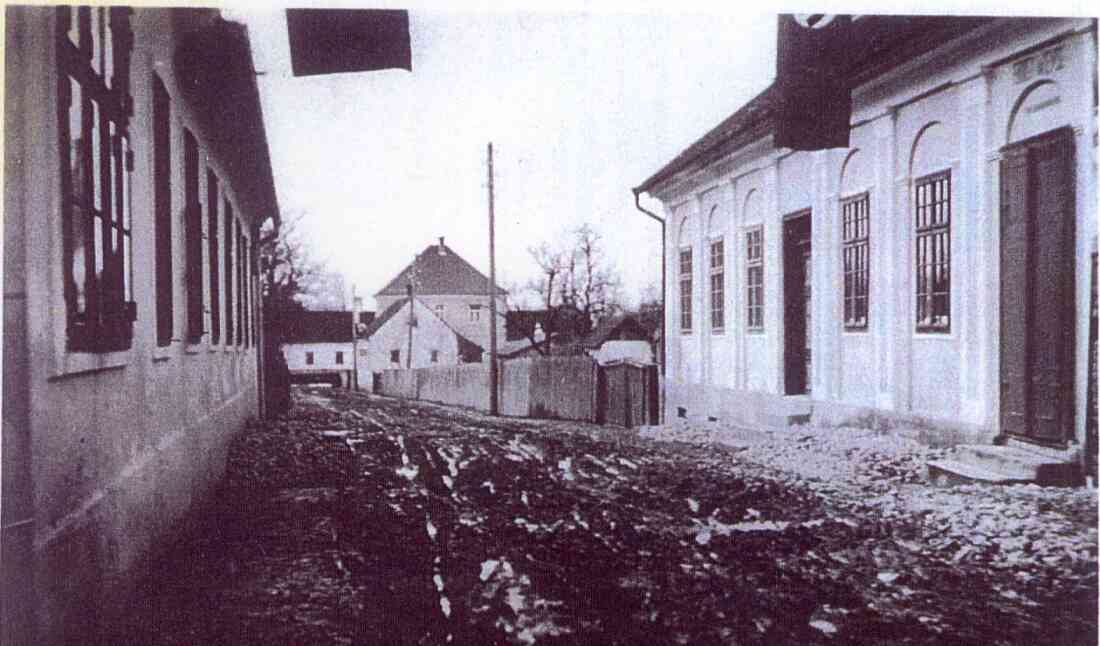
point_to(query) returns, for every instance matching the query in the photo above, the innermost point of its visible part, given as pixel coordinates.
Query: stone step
(1011, 461)
(945, 473)
(1003, 465)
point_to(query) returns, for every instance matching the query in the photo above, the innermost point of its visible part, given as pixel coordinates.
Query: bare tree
(289, 271)
(576, 286)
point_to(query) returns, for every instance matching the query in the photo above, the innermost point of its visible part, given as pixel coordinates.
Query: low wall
(559, 387)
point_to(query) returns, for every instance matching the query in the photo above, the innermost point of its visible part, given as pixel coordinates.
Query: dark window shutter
(1014, 291)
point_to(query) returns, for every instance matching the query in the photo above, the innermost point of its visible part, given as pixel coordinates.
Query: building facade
(453, 289)
(389, 344)
(136, 178)
(936, 272)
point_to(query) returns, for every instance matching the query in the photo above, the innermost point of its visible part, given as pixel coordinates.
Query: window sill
(755, 331)
(73, 364)
(193, 347)
(718, 331)
(162, 353)
(685, 332)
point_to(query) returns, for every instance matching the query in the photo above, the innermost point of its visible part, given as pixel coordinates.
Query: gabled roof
(439, 271)
(313, 327)
(622, 327)
(466, 347)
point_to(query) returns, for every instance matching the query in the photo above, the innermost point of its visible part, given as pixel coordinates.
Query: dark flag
(815, 99)
(328, 41)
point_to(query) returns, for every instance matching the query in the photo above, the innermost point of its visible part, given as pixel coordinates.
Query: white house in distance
(136, 179)
(938, 272)
(456, 291)
(432, 342)
(318, 346)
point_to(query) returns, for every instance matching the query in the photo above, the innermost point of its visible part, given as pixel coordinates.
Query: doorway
(797, 351)
(1037, 288)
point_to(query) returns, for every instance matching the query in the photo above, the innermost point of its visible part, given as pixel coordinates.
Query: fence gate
(626, 394)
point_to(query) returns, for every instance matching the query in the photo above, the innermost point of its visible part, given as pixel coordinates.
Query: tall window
(215, 279)
(475, 312)
(162, 197)
(933, 252)
(309, 358)
(93, 112)
(240, 285)
(229, 277)
(717, 285)
(685, 290)
(856, 229)
(193, 236)
(754, 278)
(339, 358)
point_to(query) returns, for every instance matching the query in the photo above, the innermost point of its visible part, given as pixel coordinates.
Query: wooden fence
(554, 387)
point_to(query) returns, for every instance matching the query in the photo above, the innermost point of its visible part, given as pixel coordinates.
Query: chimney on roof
(442, 249)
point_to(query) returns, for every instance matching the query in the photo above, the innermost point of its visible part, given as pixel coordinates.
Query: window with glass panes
(685, 290)
(932, 202)
(717, 284)
(94, 45)
(228, 271)
(855, 236)
(754, 278)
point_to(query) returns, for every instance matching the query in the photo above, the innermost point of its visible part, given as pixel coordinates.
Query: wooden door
(796, 303)
(1037, 288)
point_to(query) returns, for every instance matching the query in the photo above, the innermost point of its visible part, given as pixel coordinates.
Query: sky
(580, 107)
(581, 102)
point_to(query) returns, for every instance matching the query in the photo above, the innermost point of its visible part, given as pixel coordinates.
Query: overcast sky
(580, 107)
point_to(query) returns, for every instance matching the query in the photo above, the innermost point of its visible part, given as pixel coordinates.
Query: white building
(935, 272)
(318, 346)
(388, 343)
(130, 300)
(456, 291)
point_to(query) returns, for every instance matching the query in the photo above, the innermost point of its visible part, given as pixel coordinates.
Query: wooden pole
(412, 322)
(354, 340)
(494, 407)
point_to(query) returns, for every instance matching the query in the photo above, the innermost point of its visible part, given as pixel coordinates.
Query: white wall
(952, 111)
(324, 356)
(430, 334)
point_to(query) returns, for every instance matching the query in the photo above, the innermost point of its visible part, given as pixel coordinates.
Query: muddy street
(365, 520)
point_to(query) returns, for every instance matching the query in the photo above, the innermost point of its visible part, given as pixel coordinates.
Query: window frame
(754, 278)
(339, 358)
(685, 271)
(99, 304)
(310, 358)
(213, 213)
(395, 356)
(193, 238)
(475, 312)
(934, 225)
(855, 236)
(717, 284)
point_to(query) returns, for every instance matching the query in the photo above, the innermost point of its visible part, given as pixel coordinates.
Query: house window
(440, 310)
(754, 279)
(240, 285)
(162, 191)
(309, 358)
(94, 108)
(685, 290)
(339, 358)
(395, 356)
(856, 229)
(933, 252)
(475, 312)
(193, 236)
(435, 356)
(717, 284)
(228, 248)
(215, 280)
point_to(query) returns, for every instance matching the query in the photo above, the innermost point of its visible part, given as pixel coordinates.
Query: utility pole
(412, 322)
(355, 305)
(494, 407)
